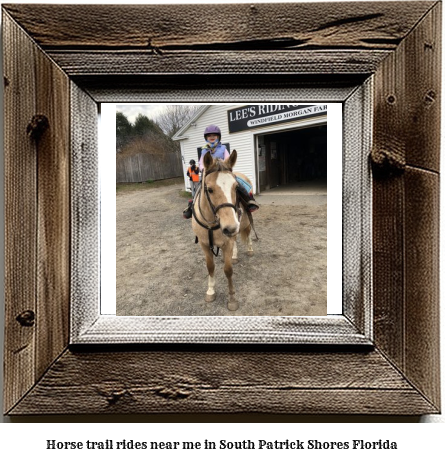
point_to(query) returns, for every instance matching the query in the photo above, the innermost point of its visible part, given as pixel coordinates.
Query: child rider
(212, 136)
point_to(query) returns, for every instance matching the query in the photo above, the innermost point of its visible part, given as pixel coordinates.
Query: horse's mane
(218, 165)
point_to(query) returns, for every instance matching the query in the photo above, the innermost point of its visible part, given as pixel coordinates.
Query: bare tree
(174, 117)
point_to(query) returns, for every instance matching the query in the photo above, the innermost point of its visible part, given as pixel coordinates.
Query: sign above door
(252, 116)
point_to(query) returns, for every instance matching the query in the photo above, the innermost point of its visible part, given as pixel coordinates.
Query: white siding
(242, 142)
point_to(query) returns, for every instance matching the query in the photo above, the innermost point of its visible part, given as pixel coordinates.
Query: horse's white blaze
(226, 181)
(211, 289)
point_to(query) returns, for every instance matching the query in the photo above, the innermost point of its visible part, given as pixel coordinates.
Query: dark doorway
(293, 156)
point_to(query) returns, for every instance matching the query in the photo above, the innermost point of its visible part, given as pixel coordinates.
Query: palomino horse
(218, 218)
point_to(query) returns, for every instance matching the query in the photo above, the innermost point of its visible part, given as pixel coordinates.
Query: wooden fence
(142, 167)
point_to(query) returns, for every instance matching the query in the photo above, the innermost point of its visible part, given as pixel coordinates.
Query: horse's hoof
(235, 261)
(250, 253)
(233, 306)
(210, 297)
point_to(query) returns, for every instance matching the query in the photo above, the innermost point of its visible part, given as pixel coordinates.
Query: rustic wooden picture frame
(57, 70)
(91, 322)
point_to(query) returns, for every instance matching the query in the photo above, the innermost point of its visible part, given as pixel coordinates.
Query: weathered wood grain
(223, 382)
(143, 166)
(388, 268)
(357, 209)
(112, 39)
(423, 91)
(406, 133)
(272, 25)
(422, 281)
(53, 225)
(389, 143)
(20, 213)
(335, 330)
(219, 87)
(216, 62)
(38, 233)
(399, 42)
(407, 119)
(85, 211)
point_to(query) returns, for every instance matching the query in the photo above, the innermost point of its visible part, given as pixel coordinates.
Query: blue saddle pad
(244, 183)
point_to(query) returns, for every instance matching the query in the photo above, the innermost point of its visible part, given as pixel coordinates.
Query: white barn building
(276, 144)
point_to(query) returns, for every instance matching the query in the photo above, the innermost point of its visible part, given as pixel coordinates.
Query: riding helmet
(192, 162)
(212, 129)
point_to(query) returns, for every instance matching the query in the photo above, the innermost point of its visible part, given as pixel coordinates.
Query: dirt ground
(160, 271)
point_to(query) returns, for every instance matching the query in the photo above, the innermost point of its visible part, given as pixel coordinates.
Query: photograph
(222, 209)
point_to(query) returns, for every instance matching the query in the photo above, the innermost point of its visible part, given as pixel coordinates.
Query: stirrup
(187, 213)
(252, 206)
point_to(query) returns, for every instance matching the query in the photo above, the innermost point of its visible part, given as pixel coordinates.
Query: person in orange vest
(193, 175)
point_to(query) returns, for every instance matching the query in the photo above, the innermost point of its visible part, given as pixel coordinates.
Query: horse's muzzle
(230, 231)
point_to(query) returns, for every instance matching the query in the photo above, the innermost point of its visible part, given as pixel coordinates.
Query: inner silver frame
(353, 326)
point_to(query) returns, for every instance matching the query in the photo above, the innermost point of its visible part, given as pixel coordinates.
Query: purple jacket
(220, 152)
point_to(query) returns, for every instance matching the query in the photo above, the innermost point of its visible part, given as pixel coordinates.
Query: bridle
(212, 225)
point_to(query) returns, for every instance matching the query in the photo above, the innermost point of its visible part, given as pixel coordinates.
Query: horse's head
(220, 185)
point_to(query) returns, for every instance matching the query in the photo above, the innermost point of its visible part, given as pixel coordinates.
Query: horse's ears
(208, 160)
(232, 159)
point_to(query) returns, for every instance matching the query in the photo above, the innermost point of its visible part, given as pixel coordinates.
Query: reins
(214, 225)
(211, 225)
(209, 228)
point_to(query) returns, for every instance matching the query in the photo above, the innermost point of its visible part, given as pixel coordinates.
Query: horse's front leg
(235, 253)
(228, 270)
(210, 295)
(249, 245)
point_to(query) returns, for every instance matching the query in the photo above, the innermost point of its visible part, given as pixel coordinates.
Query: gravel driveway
(161, 271)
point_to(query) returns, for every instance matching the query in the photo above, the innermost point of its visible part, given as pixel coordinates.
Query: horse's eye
(210, 190)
